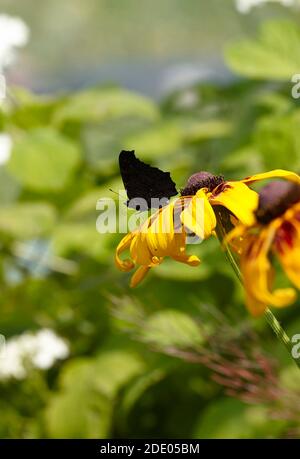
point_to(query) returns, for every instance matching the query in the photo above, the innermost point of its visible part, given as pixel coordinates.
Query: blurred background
(190, 86)
(152, 48)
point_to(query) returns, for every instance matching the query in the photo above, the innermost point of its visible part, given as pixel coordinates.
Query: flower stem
(280, 333)
(269, 316)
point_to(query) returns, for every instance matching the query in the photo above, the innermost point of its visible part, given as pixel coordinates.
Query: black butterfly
(144, 181)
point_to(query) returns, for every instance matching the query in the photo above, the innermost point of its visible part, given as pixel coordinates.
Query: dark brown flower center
(201, 180)
(275, 198)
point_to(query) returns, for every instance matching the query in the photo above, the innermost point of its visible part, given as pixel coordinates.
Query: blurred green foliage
(57, 272)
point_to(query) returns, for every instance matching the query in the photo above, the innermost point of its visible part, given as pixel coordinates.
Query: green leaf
(275, 55)
(84, 238)
(173, 270)
(106, 373)
(290, 378)
(85, 205)
(84, 406)
(27, 220)
(198, 131)
(172, 328)
(31, 110)
(159, 140)
(9, 187)
(276, 137)
(103, 141)
(79, 413)
(43, 160)
(230, 418)
(242, 162)
(96, 105)
(136, 390)
(113, 369)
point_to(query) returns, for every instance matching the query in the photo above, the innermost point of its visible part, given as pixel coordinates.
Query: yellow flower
(165, 232)
(275, 231)
(160, 236)
(235, 196)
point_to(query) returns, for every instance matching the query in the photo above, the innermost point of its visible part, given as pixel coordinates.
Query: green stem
(280, 333)
(269, 316)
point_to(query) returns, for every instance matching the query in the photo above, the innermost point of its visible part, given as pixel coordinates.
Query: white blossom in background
(14, 33)
(244, 6)
(31, 350)
(5, 147)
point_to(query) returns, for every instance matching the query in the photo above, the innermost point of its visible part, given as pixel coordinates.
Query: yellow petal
(288, 250)
(158, 237)
(191, 260)
(199, 216)
(138, 276)
(255, 307)
(160, 234)
(277, 173)
(237, 239)
(237, 232)
(124, 265)
(239, 199)
(162, 237)
(258, 273)
(139, 249)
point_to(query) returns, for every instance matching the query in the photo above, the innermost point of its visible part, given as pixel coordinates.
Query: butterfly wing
(144, 181)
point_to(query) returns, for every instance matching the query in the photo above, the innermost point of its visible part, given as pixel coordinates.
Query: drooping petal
(237, 239)
(239, 199)
(160, 234)
(124, 265)
(255, 307)
(139, 249)
(277, 173)
(199, 216)
(138, 276)
(258, 273)
(166, 235)
(191, 260)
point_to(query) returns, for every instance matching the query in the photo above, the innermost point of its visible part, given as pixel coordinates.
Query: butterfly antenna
(115, 192)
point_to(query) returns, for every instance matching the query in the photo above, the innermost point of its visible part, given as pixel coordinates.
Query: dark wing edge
(161, 182)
